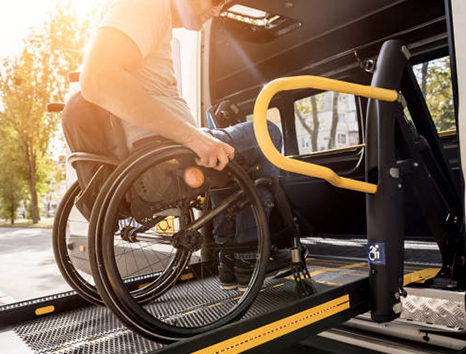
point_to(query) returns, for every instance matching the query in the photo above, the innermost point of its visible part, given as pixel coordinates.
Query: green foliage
(12, 181)
(436, 86)
(29, 81)
(440, 95)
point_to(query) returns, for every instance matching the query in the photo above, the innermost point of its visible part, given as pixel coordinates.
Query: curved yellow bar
(308, 169)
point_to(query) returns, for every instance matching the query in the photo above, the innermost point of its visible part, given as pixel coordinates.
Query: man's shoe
(279, 263)
(226, 271)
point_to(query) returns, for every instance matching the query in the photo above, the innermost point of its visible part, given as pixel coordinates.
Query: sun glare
(83, 6)
(16, 17)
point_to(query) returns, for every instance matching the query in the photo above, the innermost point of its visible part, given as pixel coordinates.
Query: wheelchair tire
(176, 308)
(79, 281)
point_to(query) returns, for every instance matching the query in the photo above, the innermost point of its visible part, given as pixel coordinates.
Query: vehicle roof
(321, 38)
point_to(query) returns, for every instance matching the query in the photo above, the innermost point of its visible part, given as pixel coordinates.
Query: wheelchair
(150, 221)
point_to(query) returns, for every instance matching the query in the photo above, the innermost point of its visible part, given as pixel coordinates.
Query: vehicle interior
(387, 266)
(348, 42)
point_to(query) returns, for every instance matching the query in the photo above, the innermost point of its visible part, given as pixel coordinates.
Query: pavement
(28, 268)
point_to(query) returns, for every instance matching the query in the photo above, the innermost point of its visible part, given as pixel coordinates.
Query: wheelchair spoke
(164, 240)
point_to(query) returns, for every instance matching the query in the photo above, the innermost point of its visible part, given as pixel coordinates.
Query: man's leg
(237, 268)
(91, 129)
(243, 139)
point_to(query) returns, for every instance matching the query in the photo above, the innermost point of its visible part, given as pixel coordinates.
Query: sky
(16, 16)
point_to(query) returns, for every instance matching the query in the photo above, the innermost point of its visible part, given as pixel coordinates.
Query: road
(28, 269)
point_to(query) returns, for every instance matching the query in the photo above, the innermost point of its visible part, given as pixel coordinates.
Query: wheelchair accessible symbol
(376, 253)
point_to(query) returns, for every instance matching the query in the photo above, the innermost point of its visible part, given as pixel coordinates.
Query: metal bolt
(397, 295)
(400, 186)
(415, 164)
(397, 307)
(406, 52)
(394, 172)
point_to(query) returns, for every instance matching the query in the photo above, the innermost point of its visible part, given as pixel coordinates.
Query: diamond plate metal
(435, 307)
(95, 330)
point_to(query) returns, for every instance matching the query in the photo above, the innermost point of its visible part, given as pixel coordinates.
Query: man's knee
(275, 135)
(79, 116)
(86, 126)
(69, 114)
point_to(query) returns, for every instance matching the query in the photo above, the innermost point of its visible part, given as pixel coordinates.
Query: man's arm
(108, 80)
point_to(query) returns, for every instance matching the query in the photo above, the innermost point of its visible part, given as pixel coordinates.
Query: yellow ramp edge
(278, 328)
(420, 276)
(44, 310)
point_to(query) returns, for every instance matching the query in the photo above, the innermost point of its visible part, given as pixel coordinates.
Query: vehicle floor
(94, 329)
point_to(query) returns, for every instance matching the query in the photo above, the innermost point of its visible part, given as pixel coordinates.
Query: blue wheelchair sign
(376, 253)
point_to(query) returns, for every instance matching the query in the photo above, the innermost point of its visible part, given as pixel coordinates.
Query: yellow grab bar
(305, 168)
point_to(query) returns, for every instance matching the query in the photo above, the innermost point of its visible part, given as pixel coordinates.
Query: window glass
(326, 121)
(434, 78)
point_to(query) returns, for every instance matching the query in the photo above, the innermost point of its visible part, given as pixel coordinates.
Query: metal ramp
(277, 318)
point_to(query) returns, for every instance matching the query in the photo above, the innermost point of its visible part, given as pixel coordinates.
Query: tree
(424, 71)
(307, 106)
(34, 78)
(434, 79)
(439, 94)
(12, 182)
(333, 128)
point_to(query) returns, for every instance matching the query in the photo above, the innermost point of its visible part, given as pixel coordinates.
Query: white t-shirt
(148, 23)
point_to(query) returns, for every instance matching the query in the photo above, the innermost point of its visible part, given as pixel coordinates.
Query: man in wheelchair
(128, 73)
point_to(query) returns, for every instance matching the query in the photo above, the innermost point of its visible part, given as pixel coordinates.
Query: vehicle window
(434, 78)
(326, 121)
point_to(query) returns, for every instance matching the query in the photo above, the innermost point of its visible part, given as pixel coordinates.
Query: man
(128, 71)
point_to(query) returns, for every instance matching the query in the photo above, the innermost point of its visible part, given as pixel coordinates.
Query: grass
(44, 223)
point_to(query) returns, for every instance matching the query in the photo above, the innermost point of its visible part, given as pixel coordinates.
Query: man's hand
(211, 152)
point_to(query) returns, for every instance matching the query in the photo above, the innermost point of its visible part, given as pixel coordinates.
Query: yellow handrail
(305, 168)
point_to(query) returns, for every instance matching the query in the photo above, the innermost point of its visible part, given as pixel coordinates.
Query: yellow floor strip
(279, 328)
(188, 312)
(349, 266)
(337, 261)
(44, 310)
(326, 270)
(187, 276)
(320, 271)
(362, 274)
(420, 276)
(328, 262)
(328, 283)
(355, 265)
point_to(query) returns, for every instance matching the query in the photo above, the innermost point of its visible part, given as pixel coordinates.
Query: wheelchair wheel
(74, 262)
(71, 260)
(185, 298)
